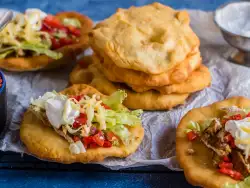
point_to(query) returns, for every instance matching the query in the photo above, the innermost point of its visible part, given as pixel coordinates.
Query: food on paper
(213, 144)
(91, 73)
(80, 124)
(35, 40)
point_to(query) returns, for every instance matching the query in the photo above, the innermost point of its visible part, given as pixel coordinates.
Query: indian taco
(80, 124)
(35, 40)
(213, 144)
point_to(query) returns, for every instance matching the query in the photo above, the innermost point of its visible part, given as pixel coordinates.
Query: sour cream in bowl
(233, 19)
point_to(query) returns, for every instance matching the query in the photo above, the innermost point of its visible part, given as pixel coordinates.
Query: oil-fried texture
(177, 74)
(151, 38)
(197, 81)
(43, 142)
(198, 168)
(90, 73)
(43, 62)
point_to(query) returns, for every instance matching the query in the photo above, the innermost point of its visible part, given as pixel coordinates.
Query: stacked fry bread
(150, 52)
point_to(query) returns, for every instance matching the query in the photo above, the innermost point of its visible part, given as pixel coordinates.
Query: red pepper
(74, 31)
(226, 165)
(226, 159)
(76, 138)
(248, 115)
(105, 106)
(107, 144)
(232, 173)
(191, 135)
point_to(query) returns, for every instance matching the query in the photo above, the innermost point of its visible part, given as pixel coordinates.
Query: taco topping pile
(36, 33)
(87, 121)
(229, 139)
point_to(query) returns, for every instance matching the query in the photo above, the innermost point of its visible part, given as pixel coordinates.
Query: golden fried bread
(152, 38)
(90, 73)
(198, 80)
(198, 168)
(177, 74)
(45, 143)
(44, 62)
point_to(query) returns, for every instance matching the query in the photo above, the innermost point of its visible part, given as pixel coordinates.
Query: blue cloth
(100, 9)
(97, 10)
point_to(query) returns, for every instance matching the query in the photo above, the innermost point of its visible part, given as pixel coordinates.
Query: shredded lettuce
(242, 184)
(39, 49)
(122, 132)
(115, 100)
(124, 118)
(5, 53)
(71, 22)
(198, 127)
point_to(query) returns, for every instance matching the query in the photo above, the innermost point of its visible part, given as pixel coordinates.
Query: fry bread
(90, 73)
(43, 142)
(150, 39)
(177, 74)
(198, 80)
(198, 168)
(44, 62)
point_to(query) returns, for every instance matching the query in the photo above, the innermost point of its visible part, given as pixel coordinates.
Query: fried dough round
(150, 39)
(43, 62)
(197, 81)
(198, 168)
(91, 74)
(43, 142)
(176, 75)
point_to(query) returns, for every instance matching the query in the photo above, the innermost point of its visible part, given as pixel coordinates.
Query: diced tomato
(45, 28)
(235, 117)
(93, 145)
(105, 106)
(110, 136)
(87, 141)
(248, 115)
(74, 31)
(55, 43)
(80, 120)
(53, 22)
(76, 138)
(223, 121)
(107, 144)
(229, 139)
(99, 138)
(226, 165)
(232, 173)
(78, 97)
(65, 41)
(191, 135)
(226, 159)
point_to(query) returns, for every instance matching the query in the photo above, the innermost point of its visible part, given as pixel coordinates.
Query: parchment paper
(158, 146)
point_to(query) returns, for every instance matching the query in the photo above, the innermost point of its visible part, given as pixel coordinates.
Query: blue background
(97, 10)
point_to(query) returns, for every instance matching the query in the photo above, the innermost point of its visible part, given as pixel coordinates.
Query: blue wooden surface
(98, 177)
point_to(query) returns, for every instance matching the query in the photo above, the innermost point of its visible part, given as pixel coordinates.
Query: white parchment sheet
(158, 146)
